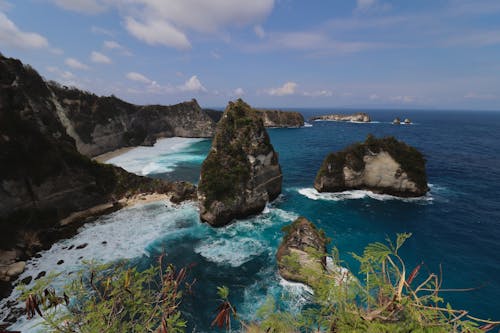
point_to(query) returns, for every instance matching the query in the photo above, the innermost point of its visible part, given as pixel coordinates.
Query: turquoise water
(457, 225)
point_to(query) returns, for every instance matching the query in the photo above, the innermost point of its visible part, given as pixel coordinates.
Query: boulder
(385, 165)
(241, 172)
(301, 257)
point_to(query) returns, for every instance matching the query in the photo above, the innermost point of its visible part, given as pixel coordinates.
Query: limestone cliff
(270, 118)
(277, 118)
(241, 172)
(103, 124)
(302, 253)
(43, 178)
(355, 117)
(383, 165)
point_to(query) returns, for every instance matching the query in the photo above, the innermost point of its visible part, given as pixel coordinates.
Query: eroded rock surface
(384, 165)
(241, 172)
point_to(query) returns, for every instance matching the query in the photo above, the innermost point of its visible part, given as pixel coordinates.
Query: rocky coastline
(270, 118)
(44, 179)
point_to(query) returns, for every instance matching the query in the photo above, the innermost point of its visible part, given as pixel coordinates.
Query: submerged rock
(355, 117)
(241, 172)
(302, 254)
(383, 165)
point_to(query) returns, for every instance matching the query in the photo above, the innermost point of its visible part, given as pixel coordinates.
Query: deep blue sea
(456, 226)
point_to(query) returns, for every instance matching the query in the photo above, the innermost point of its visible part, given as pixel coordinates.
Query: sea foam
(163, 157)
(313, 194)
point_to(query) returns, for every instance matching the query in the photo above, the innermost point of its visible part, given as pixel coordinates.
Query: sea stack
(302, 252)
(241, 172)
(396, 121)
(407, 121)
(385, 166)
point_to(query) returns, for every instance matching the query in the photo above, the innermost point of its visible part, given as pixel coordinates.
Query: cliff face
(277, 118)
(102, 124)
(382, 165)
(241, 173)
(43, 178)
(300, 252)
(356, 117)
(270, 118)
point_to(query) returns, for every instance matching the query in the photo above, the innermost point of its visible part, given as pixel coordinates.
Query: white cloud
(65, 75)
(73, 63)
(100, 58)
(403, 99)
(102, 31)
(82, 6)
(288, 88)
(11, 35)
(318, 93)
(239, 92)
(371, 5)
(134, 76)
(374, 97)
(157, 32)
(193, 84)
(475, 95)
(259, 31)
(365, 4)
(215, 55)
(168, 22)
(115, 46)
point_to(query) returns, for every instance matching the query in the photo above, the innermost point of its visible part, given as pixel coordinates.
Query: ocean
(456, 226)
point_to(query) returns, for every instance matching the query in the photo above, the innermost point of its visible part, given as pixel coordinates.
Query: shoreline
(103, 158)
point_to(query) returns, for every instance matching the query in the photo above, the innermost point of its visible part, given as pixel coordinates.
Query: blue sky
(323, 53)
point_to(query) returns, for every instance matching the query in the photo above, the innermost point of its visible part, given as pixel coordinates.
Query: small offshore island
(385, 166)
(359, 117)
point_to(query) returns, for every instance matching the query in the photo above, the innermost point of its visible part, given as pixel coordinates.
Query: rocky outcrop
(277, 118)
(43, 178)
(355, 117)
(241, 172)
(407, 121)
(301, 257)
(396, 121)
(383, 165)
(270, 118)
(102, 124)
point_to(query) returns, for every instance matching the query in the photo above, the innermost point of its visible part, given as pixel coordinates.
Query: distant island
(355, 117)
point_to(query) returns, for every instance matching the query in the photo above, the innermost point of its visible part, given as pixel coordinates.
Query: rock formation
(241, 172)
(43, 178)
(299, 255)
(355, 117)
(381, 165)
(277, 118)
(407, 121)
(270, 118)
(102, 124)
(396, 121)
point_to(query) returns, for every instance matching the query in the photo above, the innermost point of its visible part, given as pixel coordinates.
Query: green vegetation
(226, 169)
(111, 298)
(410, 159)
(389, 298)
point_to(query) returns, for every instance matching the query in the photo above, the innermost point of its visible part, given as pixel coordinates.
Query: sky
(437, 54)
